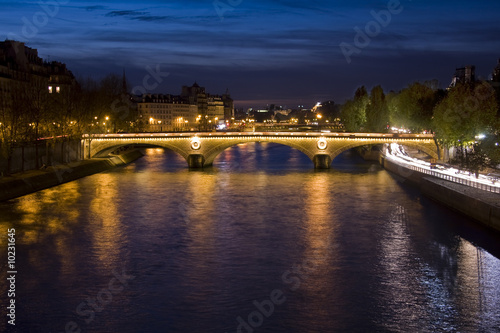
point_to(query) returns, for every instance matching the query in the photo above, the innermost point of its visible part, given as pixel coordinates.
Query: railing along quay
(471, 183)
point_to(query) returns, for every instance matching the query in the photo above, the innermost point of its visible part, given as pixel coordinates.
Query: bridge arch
(201, 149)
(107, 151)
(102, 147)
(212, 153)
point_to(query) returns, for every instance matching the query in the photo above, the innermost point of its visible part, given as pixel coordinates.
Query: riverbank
(28, 182)
(482, 206)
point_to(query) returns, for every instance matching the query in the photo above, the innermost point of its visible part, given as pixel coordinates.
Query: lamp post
(105, 127)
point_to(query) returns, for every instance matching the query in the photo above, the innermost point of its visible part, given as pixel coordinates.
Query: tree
(413, 107)
(472, 158)
(490, 145)
(353, 112)
(329, 110)
(115, 102)
(14, 127)
(467, 111)
(377, 111)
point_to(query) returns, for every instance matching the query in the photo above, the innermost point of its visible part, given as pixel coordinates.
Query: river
(261, 242)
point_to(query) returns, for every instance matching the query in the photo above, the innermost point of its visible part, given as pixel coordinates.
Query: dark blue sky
(286, 52)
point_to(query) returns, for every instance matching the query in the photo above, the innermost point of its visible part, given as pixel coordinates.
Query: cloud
(293, 45)
(126, 13)
(148, 18)
(96, 7)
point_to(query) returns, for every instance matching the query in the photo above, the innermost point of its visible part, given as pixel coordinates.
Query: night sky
(282, 52)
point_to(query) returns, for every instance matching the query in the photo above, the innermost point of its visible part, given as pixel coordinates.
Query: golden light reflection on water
(199, 210)
(320, 242)
(48, 215)
(54, 204)
(319, 206)
(208, 237)
(105, 215)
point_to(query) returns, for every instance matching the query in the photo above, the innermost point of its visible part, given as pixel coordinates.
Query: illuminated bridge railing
(285, 134)
(458, 180)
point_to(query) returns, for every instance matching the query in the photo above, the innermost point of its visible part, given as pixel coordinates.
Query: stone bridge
(201, 149)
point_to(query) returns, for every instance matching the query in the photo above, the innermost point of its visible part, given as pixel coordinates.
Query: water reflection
(106, 215)
(315, 269)
(205, 245)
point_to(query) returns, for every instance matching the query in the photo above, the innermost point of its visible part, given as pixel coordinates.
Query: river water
(259, 243)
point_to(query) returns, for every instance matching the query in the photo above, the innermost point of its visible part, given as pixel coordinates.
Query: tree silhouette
(377, 112)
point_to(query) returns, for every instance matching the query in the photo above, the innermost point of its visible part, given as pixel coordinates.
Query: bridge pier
(322, 161)
(196, 161)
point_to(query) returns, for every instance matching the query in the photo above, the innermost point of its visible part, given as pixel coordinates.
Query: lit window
(50, 89)
(58, 89)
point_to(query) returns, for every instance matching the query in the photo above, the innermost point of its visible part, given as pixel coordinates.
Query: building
(465, 74)
(194, 109)
(23, 72)
(228, 107)
(166, 113)
(215, 109)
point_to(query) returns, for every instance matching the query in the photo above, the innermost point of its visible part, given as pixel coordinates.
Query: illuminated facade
(167, 113)
(193, 110)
